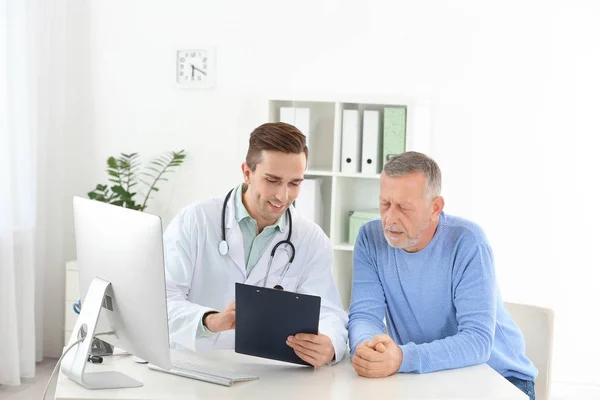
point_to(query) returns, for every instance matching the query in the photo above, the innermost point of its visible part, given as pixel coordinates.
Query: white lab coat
(200, 279)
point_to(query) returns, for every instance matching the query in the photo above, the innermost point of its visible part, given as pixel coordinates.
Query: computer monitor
(122, 283)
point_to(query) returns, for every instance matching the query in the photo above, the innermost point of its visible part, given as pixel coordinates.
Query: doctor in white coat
(201, 271)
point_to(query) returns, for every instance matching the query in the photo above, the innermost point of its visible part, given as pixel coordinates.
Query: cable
(65, 352)
(57, 364)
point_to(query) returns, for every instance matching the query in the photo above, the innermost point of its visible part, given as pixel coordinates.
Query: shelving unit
(341, 192)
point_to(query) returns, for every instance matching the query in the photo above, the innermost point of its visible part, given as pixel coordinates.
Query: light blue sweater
(442, 305)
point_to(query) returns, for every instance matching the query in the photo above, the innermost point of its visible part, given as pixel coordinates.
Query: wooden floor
(32, 389)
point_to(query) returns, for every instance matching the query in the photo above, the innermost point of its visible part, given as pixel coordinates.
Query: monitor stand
(75, 360)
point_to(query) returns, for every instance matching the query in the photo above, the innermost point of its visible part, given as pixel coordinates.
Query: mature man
(432, 276)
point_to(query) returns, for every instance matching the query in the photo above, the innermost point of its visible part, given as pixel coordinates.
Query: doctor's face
(273, 185)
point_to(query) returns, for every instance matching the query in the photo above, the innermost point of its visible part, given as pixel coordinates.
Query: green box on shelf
(357, 219)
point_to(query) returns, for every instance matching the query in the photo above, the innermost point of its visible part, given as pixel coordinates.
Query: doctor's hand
(377, 358)
(222, 321)
(317, 350)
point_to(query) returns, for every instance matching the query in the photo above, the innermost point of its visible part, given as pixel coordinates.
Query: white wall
(513, 86)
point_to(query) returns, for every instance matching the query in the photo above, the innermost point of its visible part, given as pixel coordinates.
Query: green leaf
(166, 160)
(155, 189)
(118, 190)
(155, 162)
(148, 175)
(111, 162)
(113, 173)
(92, 195)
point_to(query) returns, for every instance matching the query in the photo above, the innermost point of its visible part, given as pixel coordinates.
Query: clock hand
(197, 69)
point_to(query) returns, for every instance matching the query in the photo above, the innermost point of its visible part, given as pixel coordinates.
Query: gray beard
(408, 242)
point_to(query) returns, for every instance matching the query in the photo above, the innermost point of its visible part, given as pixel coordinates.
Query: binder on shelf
(371, 143)
(394, 132)
(351, 141)
(309, 203)
(358, 218)
(297, 116)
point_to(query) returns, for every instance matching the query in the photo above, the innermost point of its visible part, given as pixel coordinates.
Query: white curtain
(29, 93)
(18, 142)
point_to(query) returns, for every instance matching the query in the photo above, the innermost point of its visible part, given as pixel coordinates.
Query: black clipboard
(265, 317)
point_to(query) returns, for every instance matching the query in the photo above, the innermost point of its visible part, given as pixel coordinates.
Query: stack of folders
(297, 116)
(369, 142)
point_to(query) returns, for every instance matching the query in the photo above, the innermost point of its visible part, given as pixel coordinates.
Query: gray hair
(413, 162)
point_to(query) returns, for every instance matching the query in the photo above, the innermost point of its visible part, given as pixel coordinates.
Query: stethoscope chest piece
(223, 248)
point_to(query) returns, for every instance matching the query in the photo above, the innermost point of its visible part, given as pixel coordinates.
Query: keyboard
(204, 373)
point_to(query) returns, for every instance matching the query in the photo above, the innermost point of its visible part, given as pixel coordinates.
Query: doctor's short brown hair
(275, 136)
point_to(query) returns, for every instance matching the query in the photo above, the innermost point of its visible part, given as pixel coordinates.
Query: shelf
(306, 203)
(318, 172)
(351, 194)
(357, 175)
(343, 192)
(344, 247)
(325, 172)
(342, 275)
(318, 128)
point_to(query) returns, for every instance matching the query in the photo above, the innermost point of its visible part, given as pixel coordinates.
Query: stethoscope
(291, 250)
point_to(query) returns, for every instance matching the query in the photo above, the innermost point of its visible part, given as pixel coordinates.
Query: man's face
(406, 211)
(274, 184)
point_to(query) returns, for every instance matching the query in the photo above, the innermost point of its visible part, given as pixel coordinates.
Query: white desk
(285, 381)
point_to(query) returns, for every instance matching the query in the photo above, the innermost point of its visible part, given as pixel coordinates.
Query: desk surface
(281, 380)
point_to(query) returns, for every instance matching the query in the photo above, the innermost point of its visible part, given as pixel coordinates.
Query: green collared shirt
(255, 243)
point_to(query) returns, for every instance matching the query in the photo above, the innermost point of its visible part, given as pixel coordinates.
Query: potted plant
(124, 175)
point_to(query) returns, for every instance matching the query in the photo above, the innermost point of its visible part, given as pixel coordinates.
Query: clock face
(195, 68)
